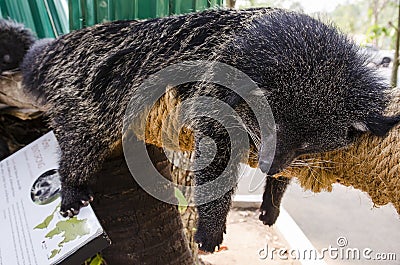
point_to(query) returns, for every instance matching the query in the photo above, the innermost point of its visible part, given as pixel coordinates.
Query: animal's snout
(264, 166)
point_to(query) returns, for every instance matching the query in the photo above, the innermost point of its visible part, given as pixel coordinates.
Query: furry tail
(31, 74)
(15, 41)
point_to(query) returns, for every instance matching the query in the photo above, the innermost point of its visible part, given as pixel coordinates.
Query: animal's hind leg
(273, 193)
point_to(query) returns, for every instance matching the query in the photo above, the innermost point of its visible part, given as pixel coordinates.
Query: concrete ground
(319, 218)
(349, 213)
(245, 237)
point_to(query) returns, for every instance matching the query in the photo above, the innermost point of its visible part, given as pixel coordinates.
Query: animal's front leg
(74, 197)
(273, 193)
(81, 156)
(212, 222)
(214, 187)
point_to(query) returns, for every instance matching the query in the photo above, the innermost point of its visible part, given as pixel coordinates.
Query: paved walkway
(345, 212)
(246, 235)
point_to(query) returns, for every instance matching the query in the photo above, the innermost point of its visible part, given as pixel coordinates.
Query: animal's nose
(264, 166)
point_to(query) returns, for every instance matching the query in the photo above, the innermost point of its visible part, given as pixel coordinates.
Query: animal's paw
(73, 199)
(269, 216)
(208, 240)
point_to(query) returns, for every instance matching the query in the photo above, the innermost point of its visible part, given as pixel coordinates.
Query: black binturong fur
(15, 41)
(320, 91)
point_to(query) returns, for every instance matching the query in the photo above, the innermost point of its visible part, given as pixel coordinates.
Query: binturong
(15, 41)
(318, 86)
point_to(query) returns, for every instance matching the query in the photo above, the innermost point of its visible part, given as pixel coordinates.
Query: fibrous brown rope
(372, 164)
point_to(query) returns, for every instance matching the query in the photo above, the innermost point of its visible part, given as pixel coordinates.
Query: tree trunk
(182, 161)
(231, 3)
(395, 68)
(143, 229)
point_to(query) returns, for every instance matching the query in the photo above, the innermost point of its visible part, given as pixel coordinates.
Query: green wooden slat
(200, 4)
(122, 9)
(75, 15)
(89, 12)
(58, 16)
(111, 10)
(182, 6)
(162, 8)
(153, 8)
(214, 3)
(85, 13)
(14, 11)
(102, 11)
(44, 27)
(4, 9)
(48, 19)
(20, 11)
(174, 8)
(145, 9)
(187, 6)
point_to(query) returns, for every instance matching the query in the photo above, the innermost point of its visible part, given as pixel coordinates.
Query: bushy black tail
(31, 73)
(15, 41)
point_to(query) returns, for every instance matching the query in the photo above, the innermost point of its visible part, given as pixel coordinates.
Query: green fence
(90, 12)
(50, 18)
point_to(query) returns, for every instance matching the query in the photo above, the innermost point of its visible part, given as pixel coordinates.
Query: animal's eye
(353, 133)
(45, 184)
(7, 58)
(303, 148)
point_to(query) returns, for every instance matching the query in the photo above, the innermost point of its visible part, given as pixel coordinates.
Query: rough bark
(20, 122)
(395, 69)
(231, 3)
(182, 161)
(143, 229)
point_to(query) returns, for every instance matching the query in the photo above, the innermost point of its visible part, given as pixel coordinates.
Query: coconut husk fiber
(162, 128)
(372, 164)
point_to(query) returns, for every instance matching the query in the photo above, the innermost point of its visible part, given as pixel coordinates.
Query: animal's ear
(377, 124)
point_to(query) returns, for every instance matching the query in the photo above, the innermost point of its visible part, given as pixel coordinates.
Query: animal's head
(15, 41)
(293, 141)
(46, 188)
(322, 94)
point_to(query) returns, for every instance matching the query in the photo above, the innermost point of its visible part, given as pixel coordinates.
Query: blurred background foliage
(368, 21)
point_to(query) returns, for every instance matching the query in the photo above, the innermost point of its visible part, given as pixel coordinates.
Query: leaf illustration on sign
(69, 229)
(47, 221)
